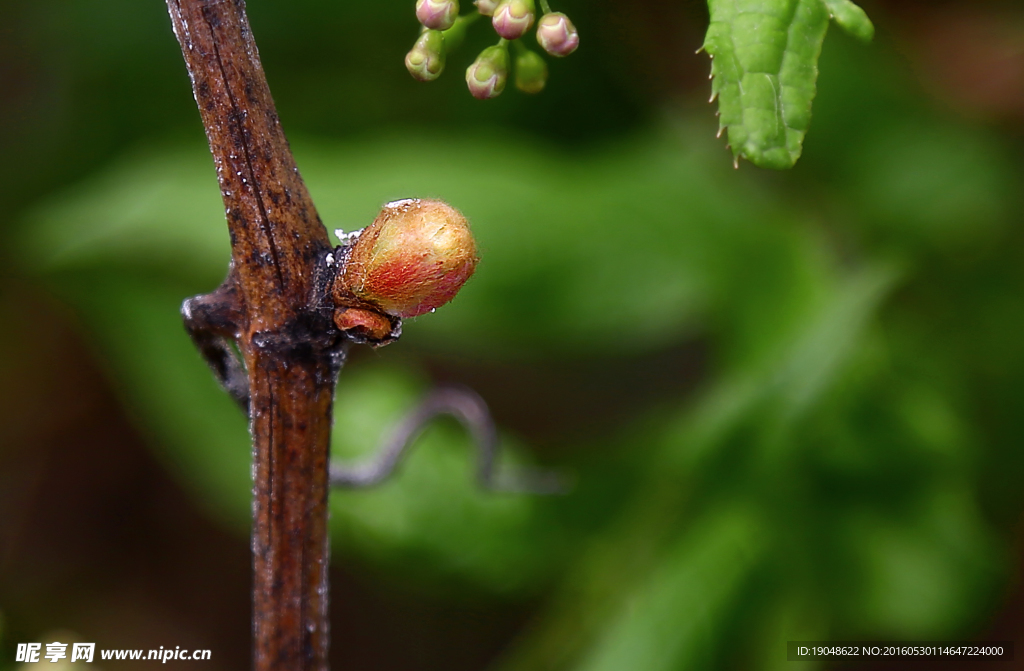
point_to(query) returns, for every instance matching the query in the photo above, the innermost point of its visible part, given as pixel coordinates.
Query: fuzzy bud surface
(413, 258)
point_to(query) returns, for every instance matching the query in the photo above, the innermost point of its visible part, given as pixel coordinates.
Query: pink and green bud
(513, 18)
(487, 75)
(557, 35)
(425, 61)
(413, 258)
(531, 72)
(486, 7)
(437, 14)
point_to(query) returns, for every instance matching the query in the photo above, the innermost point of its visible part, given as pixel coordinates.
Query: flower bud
(557, 35)
(486, 7)
(487, 75)
(413, 258)
(425, 61)
(437, 14)
(513, 18)
(531, 72)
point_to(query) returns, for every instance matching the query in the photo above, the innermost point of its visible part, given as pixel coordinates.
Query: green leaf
(765, 68)
(925, 573)
(783, 387)
(851, 18)
(672, 618)
(931, 182)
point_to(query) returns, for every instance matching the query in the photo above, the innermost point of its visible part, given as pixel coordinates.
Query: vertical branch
(276, 234)
(267, 305)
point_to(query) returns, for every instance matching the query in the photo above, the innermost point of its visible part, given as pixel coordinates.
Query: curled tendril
(467, 407)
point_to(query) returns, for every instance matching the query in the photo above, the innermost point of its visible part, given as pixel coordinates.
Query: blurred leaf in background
(844, 461)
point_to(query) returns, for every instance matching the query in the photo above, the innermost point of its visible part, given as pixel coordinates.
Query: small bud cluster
(443, 30)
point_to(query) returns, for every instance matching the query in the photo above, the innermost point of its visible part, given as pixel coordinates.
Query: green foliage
(129, 272)
(676, 610)
(765, 69)
(851, 18)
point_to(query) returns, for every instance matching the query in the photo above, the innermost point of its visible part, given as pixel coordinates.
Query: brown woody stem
(270, 306)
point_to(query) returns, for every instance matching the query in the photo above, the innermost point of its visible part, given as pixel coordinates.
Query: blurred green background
(791, 403)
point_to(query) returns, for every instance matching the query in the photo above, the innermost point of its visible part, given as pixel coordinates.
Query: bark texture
(272, 305)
